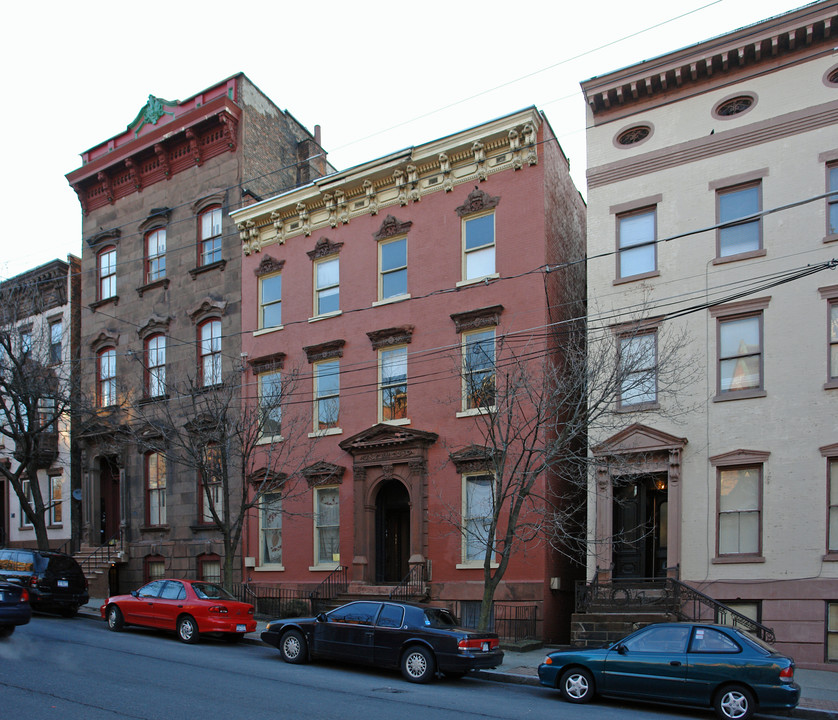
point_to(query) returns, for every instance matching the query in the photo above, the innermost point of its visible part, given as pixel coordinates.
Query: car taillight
(24, 595)
(218, 609)
(787, 674)
(33, 581)
(477, 644)
(250, 610)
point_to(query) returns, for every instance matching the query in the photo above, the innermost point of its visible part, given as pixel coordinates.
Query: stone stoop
(596, 629)
(97, 574)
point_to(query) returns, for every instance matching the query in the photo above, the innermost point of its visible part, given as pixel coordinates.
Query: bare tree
(244, 451)
(36, 391)
(535, 398)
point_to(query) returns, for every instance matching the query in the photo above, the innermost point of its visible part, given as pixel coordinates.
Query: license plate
(63, 583)
(485, 647)
(241, 628)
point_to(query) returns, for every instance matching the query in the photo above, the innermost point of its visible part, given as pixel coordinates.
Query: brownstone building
(161, 305)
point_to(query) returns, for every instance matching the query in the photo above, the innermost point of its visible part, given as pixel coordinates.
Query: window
(833, 341)
(659, 639)
(47, 413)
(832, 201)
(210, 353)
(106, 385)
(740, 354)
(270, 301)
(392, 390)
(155, 253)
(56, 331)
(155, 360)
(155, 481)
(56, 506)
(209, 224)
(479, 369)
(832, 632)
(735, 203)
(27, 493)
(154, 570)
(739, 513)
(479, 246)
(270, 529)
(211, 492)
(392, 263)
(637, 249)
(25, 343)
(478, 507)
(327, 526)
(638, 370)
(270, 399)
(832, 494)
(209, 568)
(106, 262)
(326, 395)
(327, 286)
(709, 640)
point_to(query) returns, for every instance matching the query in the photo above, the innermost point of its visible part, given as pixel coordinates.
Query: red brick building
(369, 287)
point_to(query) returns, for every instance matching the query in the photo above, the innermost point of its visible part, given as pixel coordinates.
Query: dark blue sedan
(14, 606)
(679, 663)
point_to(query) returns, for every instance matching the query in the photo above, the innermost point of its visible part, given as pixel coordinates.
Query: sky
(376, 75)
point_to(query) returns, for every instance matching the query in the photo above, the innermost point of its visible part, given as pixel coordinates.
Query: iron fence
(274, 601)
(511, 621)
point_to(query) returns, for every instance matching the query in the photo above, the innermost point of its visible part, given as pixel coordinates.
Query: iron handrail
(112, 548)
(412, 584)
(334, 583)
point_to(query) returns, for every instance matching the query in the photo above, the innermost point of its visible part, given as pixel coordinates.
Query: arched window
(155, 483)
(155, 365)
(209, 236)
(155, 263)
(106, 377)
(209, 352)
(106, 265)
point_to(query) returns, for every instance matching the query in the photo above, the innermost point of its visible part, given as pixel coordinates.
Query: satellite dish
(77, 494)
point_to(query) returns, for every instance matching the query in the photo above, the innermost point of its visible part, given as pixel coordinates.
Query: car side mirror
(321, 617)
(135, 593)
(622, 649)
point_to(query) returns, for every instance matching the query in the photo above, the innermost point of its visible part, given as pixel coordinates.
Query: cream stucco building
(730, 483)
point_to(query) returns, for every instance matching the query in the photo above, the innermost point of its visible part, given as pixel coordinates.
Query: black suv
(55, 580)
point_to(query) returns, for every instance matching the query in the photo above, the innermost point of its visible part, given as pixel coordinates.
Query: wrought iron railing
(274, 601)
(412, 585)
(110, 551)
(665, 595)
(335, 583)
(511, 621)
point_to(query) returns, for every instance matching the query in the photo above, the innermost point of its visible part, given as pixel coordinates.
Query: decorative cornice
(383, 437)
(155, 324)
(390, 336)
(323, 248)
(474, 458)
(105, 237)
(267, 363)
(104, 340)
(323, 473)
(477, 201)
(474, 319)
(740, 457)
(324, 351)
(268, 265)
(208, 307)
(158, 217)
(391, 227)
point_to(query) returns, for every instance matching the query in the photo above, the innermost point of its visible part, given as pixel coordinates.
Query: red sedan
(189, 607)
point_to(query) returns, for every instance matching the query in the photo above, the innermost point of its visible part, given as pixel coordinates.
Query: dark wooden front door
(392, 532)
(640, 527)
(108, 500)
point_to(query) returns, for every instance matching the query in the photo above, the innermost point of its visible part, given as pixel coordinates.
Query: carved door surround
(636, 450)
(382, 453)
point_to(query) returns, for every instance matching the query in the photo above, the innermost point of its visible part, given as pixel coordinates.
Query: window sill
(270, 439)
(203, 527)
(155, 528)
(474, 412)
(162, 282)
(737, 559)
(326, 316)
(324, 433)
(149, 400)
(740, 256)
(324, 568)
(217, 265)
(831, 385)
(390, 301)
(400, 421)
(206, 388)
(636, 278)
(267, 331)
(269, 567)
(831, 238)
(639, 407)
(831, 557)
(59, 526)
(473, 566)
(113, 299)
(739, 395)
(477, 281)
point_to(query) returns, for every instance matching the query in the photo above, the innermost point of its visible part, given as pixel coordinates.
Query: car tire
(70, 611)
(114, 617)
(577, 686)
(418, 664)
(734, 702)
(293, 648)
(187, 629)
(6, 630)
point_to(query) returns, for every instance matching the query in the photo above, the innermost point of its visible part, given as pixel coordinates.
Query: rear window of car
(435, 617)
(709, 640)
(62, 565)
(208, 591)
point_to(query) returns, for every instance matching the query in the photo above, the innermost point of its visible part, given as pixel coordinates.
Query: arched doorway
(109, 515)
(392, 532)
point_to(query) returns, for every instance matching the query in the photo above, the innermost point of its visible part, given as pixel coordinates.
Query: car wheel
(734, 703)
(6, 630)
(418, 664)
(70, 611)
(115, 620)
(187, 629)
(577, 686)
(292, 647)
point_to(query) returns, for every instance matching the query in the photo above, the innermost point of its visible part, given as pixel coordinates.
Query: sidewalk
(818, 696)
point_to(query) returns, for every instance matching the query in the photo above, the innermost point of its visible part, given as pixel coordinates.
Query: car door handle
(675, 663)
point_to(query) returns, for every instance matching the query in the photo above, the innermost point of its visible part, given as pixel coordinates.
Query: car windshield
(208, 591)
(435, 617)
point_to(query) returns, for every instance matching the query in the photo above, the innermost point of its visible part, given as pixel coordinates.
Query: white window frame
(56, 500)
(270, 521)
(469, 340)
(471, 254)
(329, 396)
(739, 513)
(106, 267)
(209, 221)
(385, 273)
(335, 561)
(269, 304)
(156, 255)
(274, 409)
(469, 516)
(640, 376)
(155, 348)
(638, 247)
(156, 487)
(326, 289)
(384, 362)
(209, 348)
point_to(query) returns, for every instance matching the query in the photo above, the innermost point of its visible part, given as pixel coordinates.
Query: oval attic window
(735, 105)
(633, 135)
